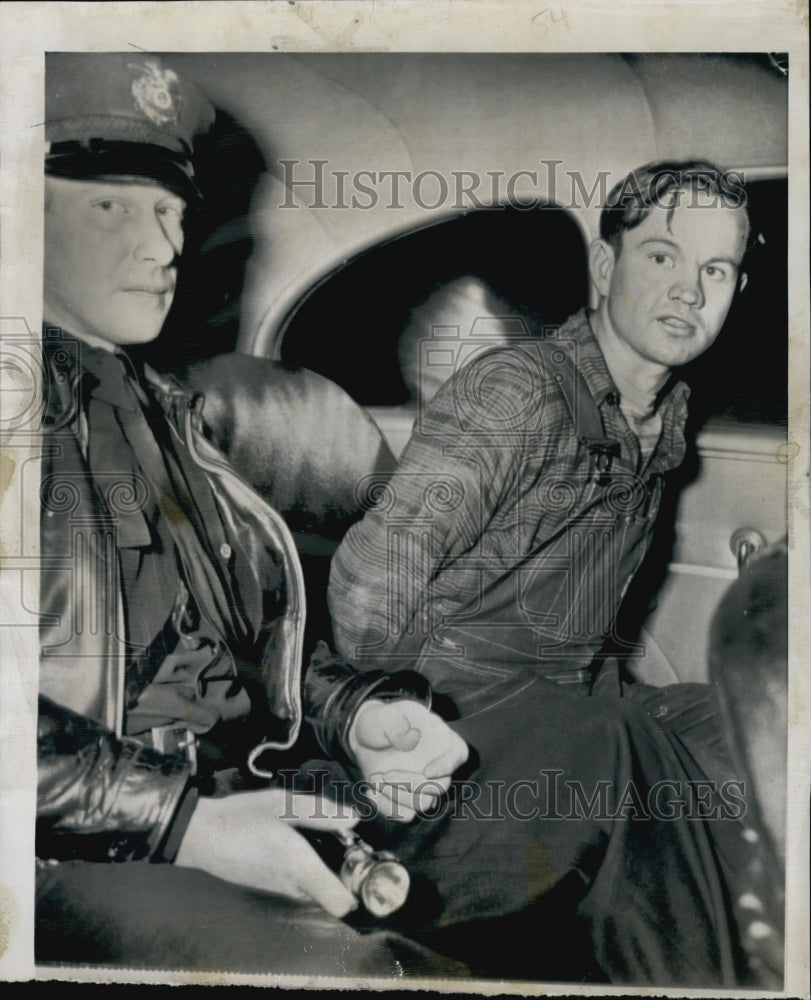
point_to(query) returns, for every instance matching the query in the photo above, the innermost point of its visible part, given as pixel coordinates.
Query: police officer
(172, 605)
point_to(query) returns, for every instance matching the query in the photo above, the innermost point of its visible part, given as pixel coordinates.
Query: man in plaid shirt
(495, 559)
(498, 554)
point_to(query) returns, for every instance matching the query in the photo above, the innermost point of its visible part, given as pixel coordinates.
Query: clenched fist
(407, 753)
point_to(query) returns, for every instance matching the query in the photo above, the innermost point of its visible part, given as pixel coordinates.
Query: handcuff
(375, 878)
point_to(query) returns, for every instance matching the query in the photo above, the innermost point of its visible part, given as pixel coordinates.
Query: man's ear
(601, 265)
(743, 281)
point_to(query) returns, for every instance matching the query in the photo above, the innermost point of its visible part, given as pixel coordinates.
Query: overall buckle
(602, 452)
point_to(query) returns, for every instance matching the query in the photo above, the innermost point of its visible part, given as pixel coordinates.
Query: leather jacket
(104, 795)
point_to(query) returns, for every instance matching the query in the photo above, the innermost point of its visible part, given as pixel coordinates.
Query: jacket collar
(74, 371)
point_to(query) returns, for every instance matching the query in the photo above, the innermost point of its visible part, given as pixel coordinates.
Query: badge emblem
(157, 93)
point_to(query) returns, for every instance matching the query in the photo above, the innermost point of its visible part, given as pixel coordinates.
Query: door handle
(745, 542)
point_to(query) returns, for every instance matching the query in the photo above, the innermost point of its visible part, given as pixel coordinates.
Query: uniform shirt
(146, 551)
(177, 666)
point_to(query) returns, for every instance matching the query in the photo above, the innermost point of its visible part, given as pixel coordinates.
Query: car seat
(302, 443)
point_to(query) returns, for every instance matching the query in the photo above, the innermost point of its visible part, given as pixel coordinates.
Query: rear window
(362, 327)
(528, 269)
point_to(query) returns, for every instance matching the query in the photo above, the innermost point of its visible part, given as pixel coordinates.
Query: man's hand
(407, 753)
(249, 839)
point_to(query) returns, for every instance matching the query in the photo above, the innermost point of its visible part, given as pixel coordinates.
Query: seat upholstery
(303, 444)
(299, 439)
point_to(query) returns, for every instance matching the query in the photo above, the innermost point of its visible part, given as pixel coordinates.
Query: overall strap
(588, 423)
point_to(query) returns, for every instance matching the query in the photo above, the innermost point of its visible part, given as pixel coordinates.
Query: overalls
(552, 614)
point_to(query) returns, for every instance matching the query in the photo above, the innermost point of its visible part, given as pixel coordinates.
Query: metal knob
(745, 542)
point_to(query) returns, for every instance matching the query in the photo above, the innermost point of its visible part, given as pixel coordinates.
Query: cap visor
(94, 166)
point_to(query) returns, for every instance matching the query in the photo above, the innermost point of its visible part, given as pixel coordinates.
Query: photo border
(28, 30)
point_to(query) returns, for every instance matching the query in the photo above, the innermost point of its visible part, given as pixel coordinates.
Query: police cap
(109, 114)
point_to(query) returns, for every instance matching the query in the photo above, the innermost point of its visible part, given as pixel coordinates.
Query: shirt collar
(79, 370)
(672, 403)
(113, 374)
(591, 362)
(589, 358)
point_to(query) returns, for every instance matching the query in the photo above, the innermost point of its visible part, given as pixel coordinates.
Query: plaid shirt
(468, 537)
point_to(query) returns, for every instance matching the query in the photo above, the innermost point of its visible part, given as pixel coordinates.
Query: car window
(362, 328)
(499, 273)
(744, 375)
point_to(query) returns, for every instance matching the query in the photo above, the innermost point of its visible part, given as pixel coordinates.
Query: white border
(28, 30)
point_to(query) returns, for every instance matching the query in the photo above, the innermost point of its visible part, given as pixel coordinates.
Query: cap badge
(157, 93)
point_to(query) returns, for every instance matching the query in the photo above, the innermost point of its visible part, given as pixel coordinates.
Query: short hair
(631, 201)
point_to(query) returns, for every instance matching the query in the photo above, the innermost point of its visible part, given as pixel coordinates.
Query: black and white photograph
(405, 448)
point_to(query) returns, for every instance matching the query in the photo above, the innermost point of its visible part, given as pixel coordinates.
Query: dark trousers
(601, 853)
(551, 860)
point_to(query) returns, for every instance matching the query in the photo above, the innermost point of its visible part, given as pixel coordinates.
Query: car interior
(305, 320)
